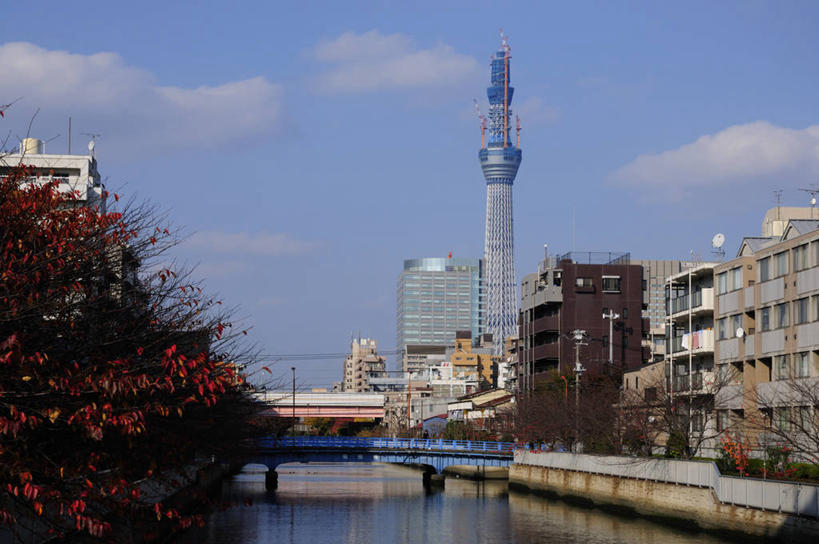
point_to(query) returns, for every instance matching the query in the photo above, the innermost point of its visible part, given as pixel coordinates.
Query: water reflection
(360, 503)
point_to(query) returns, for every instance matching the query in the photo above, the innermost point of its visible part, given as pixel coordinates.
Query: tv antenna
(778, 195)
(717, 242)
(813, 192)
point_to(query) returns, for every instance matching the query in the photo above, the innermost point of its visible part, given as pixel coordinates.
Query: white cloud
(373, 61)
(243, 243)
(533, 111)
(128, 106)
(737, 154)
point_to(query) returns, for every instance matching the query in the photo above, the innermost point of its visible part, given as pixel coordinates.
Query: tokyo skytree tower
(499, 160)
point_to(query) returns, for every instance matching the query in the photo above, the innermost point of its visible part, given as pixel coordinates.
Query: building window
(611, 284)
(805, 420)
(625, 313)
(583, 282)
(735, 278)
(801, 365)
(800, 257)
(765, 269)
(781, 315)
(783, 422)
(765, 319)
(722, 420)
(781, 367)
(722, 283)
(800, 311)
(722, 328)
(697, 422)
(780, 264)
(736, 323)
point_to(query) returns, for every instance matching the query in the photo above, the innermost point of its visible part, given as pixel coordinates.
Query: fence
(353, 442)
(777, 496)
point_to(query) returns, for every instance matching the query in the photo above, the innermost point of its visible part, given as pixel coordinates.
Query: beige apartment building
(744, 339)
(767, 326)
(362, 361)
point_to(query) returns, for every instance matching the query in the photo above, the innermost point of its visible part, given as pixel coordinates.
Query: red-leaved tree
(114, 371)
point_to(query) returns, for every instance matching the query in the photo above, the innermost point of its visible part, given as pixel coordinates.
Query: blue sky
(307, 148)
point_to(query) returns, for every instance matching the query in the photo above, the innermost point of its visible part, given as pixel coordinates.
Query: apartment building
(744, 340)
(362, 361)
(76, 174)
(767, 328)
(575, 291)
(690, 327)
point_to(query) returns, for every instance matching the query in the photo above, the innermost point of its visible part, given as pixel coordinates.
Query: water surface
(361, 502)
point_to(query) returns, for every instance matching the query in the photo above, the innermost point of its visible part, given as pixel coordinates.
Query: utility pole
(578, 335)
(294, 405)
(611, 316)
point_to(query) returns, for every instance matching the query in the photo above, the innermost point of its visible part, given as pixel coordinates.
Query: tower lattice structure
(499, 159)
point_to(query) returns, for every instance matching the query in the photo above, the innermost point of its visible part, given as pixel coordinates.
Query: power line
(318, 356)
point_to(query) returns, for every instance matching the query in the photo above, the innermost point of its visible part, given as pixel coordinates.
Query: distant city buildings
(474, 361)
(436, 297)
(654, 274)
(362, 361)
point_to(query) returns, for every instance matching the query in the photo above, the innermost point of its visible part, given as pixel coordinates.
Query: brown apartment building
(574, 291)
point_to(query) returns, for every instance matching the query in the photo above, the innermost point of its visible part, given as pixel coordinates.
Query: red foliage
(106, 377)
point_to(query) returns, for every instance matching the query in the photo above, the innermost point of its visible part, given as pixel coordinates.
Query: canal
(387, 504)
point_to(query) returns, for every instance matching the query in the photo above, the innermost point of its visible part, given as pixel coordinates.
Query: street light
(294, 405)
(611, 316)
(578, 335)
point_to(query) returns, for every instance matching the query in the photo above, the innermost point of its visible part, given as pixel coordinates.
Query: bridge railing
(354, 442)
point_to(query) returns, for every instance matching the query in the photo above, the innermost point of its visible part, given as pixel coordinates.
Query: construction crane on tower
(482, 119)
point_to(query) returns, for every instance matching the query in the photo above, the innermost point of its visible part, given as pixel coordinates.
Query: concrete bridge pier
(271, 480)
(433, 480)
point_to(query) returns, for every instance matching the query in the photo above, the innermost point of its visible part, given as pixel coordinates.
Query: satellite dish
(740, 332)
(91, 145)
(718, 240)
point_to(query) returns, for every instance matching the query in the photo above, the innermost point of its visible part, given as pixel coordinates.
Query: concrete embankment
(665, 502)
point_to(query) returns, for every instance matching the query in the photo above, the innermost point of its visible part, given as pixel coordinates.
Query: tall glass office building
(436, 297)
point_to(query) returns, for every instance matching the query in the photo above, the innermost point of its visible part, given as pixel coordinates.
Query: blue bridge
(435, 454)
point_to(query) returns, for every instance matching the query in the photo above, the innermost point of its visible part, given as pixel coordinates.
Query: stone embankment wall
(667, 501)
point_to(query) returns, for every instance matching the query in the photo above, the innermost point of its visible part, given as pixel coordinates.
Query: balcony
(701, 341)
(701, 301)
(547, 351)
(729, 397)
(699, 383)
(546, 323)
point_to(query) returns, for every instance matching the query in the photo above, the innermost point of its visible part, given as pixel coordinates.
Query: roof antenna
(778, 195)
(813, 192)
